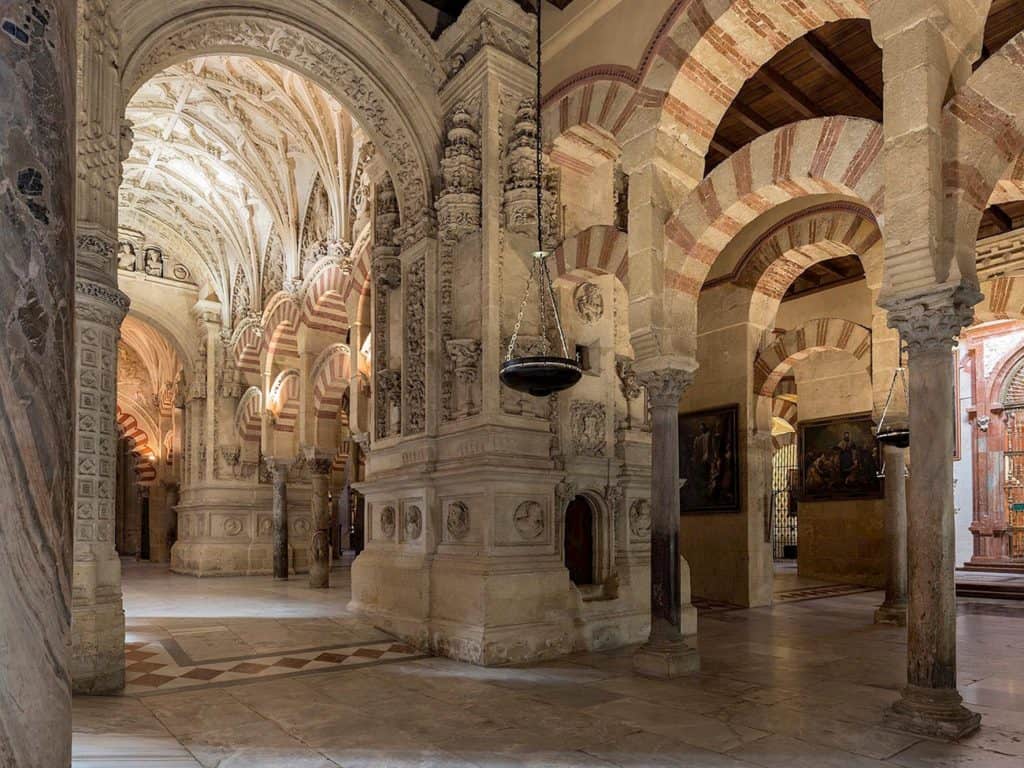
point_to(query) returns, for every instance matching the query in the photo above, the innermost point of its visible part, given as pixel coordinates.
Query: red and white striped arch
(832, 155)
(595, 251)
(248, 344)
(249, 416)
(710, 48)
(283, 400)
(324, 307)
(775, 358)
(983, 126)
(145, 468)
(281, 327)
(331, 373)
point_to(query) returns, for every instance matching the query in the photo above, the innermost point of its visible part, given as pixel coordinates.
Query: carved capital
(666, 386)
(930, 322)
(278, 469)
(100, 303)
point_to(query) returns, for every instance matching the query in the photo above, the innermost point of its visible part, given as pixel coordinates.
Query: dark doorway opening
(579, 541)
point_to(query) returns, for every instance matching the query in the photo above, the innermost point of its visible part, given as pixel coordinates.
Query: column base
(936, 712)
(894, 615)
(666, 660)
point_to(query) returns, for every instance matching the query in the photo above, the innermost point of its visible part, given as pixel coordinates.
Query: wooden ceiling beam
(1003, 220)
(722, 146)
(831, 63)
(789, 93)
(751, 119)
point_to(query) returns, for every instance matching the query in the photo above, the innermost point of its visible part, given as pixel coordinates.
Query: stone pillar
(894, 609)
(666, 653)
(37, 67)
(320, 545)
(172, 492)
(279, 475)
(930, 703)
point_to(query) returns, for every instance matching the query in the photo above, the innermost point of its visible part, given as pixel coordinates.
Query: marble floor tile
(799, 685)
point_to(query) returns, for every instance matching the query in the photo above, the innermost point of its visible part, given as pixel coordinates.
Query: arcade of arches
(261, 262)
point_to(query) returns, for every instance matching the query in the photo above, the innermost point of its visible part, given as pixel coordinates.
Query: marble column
(279, 476)
(320, 546)
(37, 68)
(894, 609)
(666, 654)
(930, 703)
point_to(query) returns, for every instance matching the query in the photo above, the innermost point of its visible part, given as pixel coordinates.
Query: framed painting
(709, 460)
(839, 459)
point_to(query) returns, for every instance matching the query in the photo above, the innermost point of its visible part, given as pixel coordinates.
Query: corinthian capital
(930, 322)
(665, 386)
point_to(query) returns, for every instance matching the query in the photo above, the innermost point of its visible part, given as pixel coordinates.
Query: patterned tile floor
(162, 666)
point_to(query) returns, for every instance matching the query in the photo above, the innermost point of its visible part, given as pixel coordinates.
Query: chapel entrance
(579, 541)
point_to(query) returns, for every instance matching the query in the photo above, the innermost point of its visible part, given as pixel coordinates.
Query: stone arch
(835, 156)
(376, 76)
(983, 136)
(145, 469)
(281, 327)
(331, 375)
(598, 250)
(785, 411)
(324, 306)
(593, 99)
(777, 355)
(603, 532)
(283, 400)
(247, 343)
(709, 49)
(248, 416)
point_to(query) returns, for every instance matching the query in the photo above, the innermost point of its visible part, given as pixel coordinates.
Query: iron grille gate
(1013, 480)
(785, 476)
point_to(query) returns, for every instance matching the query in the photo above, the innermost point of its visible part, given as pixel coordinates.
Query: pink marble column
(37, 182)
(930, 703)
(666, 654)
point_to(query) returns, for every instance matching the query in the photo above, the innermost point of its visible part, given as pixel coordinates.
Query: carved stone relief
(588, 428)
(387, 522)
(415, 379)
(413, 523)
(640, 519)
(457, 520)
(528, 520)
(465, 355)
(589, 302)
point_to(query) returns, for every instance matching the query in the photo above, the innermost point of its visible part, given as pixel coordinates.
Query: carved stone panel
(413, 523)
(528, 520)
(588, 428)
(640, 519)
(589, 302)
(457, 521)
(388, 522)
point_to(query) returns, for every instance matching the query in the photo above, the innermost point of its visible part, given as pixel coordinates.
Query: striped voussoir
(835, 155)
(248, 416)
(281, 326)
(141, 449)
(598, 250)
(248, 344)
(775, 357)
(331, 373)
(283, 399)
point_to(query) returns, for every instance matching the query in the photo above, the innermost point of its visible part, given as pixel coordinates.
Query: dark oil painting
(709, 460)
(839, 459)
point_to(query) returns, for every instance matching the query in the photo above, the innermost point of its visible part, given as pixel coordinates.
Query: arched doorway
(579, 541)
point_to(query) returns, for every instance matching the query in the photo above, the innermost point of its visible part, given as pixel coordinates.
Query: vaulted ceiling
(228, 155)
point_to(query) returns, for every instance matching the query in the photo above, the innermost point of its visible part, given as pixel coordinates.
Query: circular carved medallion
(232, 526)
(413, 523)
(640, 518)
(589, 302)
(529, 519)
(387, 522)
(457, 521)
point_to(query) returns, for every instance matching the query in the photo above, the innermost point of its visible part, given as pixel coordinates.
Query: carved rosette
(930, 323)
(665, 387)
